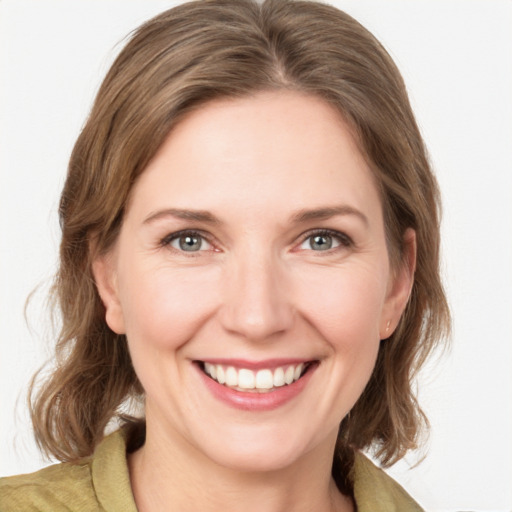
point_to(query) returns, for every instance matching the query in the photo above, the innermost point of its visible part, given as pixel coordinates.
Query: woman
(250, 247)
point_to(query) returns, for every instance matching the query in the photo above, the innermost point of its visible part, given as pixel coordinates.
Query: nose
(257, 301)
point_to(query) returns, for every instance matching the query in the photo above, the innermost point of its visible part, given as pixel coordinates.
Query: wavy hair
(173, 64)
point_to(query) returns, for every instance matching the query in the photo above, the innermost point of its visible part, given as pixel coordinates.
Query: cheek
(164, 307)
(345, 305)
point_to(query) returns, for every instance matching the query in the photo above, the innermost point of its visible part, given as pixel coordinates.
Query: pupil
(322, 242)
(190, 243)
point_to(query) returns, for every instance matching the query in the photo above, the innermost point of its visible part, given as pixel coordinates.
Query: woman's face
(252, 279)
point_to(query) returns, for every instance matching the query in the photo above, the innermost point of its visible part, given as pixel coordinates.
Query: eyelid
(344, 239)
(166, 240)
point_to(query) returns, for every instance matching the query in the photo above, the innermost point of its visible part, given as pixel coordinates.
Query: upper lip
(257, 365)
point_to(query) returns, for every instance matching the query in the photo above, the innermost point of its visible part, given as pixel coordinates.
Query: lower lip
(254, 401)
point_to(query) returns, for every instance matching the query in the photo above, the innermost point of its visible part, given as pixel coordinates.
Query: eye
(187, 241)
(325, 240)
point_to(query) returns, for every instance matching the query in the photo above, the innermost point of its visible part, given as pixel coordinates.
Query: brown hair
(177, 61)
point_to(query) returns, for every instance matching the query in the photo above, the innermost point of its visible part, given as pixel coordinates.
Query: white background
(456, 57)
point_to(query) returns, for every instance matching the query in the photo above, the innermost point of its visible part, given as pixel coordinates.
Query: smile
(263, 380)
(256, 386)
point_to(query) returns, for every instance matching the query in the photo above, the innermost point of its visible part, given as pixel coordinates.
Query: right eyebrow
(328, 212)
(195, 215)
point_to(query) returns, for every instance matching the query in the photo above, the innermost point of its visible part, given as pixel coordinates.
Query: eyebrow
(196, 215)
(328, 212)
(305, 215)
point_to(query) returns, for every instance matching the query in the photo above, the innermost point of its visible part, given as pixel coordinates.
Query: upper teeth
(247, 379)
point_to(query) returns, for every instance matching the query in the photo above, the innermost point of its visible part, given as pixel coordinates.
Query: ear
(400, 286)
(105, 277)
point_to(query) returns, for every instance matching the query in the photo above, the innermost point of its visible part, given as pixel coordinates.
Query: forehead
(283, 150)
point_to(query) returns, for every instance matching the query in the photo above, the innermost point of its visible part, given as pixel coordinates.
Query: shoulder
(376, 490)
(95, 484)
(61, 487)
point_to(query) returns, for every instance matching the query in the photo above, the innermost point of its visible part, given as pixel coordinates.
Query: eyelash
(167, 240)
(344, 240)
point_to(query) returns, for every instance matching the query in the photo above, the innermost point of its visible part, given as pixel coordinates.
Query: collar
(373, 488)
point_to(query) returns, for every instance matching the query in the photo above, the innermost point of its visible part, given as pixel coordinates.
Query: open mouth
(264, 380)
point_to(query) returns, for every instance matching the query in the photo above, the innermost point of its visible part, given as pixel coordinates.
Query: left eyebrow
(195, 215)
(327, 213)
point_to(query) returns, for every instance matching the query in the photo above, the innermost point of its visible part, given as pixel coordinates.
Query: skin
(257, 289)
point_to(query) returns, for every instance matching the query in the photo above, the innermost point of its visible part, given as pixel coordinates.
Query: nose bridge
(256, 300)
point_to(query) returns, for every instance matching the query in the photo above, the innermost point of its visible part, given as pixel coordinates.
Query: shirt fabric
(101, 483)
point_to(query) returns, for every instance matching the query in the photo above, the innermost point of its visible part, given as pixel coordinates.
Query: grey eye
(321, 242)
(188, 243)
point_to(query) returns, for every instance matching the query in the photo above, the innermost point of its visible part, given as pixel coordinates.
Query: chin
(255, 461)
(263, 451)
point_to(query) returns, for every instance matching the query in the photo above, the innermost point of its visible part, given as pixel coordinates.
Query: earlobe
(400, 286)
(106, 283)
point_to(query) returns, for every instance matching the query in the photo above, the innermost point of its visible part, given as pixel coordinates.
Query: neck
(169, 475)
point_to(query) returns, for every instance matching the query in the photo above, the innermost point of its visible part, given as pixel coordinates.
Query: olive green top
(102, 483)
